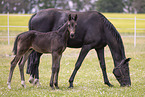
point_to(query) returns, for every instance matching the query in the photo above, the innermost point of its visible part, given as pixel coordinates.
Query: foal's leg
(13, 65)
(100, 54)
(85, 49)
(55, 69)
(21, 67)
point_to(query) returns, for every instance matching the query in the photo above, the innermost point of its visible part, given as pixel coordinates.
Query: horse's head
(121, 73)
(72, 25)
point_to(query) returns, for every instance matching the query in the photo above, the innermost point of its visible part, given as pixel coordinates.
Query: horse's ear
(76, 16)
(69, 17)
(127, 60)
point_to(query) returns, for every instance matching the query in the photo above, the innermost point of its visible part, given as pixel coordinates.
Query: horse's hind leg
(21, 67)
(103, 66)
(13, 65)
(36, 69)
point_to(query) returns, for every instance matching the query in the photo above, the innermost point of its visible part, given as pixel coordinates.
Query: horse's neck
(117, 48)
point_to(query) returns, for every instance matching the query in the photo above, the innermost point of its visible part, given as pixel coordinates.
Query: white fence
(134, 19)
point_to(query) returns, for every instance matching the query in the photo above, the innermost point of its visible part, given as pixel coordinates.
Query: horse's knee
(77, 66)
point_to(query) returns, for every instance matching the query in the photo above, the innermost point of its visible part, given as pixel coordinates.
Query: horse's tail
(29, 58)
(30, 27)
(15, 45)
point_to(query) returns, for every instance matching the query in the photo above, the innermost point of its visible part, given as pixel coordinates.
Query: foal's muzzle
(72, 35)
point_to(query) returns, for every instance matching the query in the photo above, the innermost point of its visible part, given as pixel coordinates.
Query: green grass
(88, 81)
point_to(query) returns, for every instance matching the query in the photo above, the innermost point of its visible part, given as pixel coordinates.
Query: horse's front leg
(101, 58)
(85, 49)
(55, 69)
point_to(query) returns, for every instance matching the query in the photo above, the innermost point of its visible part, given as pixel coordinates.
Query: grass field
(88, 81)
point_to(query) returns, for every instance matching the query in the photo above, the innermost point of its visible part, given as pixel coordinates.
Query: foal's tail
(15, 45)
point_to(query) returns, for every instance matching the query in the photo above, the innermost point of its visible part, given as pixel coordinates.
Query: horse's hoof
(35, 81)
(70, 87)
(31, 79)
(52, 88)
(56, 87)
(23, 84)
(110, 85)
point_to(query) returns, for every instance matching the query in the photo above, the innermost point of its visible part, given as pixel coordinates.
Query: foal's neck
(63, 31)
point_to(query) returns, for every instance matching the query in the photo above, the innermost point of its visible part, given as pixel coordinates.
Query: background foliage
(32, 6)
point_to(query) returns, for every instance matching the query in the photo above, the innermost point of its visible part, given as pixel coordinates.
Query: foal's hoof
(23, 84)
(9, 85)
(31, 79)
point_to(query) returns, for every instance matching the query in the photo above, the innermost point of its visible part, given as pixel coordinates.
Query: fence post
(8, 27)
(135, 31)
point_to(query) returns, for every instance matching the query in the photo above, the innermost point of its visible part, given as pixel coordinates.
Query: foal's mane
(61, 26)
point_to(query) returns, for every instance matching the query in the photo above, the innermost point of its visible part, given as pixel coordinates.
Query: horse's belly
(73, 43)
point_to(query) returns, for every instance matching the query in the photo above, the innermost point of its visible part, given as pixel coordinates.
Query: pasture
(89, 79)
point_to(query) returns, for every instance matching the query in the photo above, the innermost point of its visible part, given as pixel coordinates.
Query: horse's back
(89, 24)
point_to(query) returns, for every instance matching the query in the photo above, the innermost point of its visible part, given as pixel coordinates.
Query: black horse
(93, 31)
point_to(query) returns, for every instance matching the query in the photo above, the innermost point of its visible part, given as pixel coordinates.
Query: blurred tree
(14, 6)
(139, 6)
(110, 5)
(134, 6)
(32, 6)
(128, 6)
(83, 5)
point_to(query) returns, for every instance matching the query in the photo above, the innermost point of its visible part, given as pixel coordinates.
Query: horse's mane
(113, 30)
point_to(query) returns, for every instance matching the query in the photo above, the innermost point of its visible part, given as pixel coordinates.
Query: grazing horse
(93, 31)
(53, 42)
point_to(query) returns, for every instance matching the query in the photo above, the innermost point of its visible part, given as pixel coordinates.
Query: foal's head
(72, 25)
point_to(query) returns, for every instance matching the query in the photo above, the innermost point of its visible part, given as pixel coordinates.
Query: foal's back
(46, 42)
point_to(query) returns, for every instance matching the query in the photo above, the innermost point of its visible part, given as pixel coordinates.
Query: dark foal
(53, 42)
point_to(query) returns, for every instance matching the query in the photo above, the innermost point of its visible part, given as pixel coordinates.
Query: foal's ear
(76, 16)
(69, 17)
